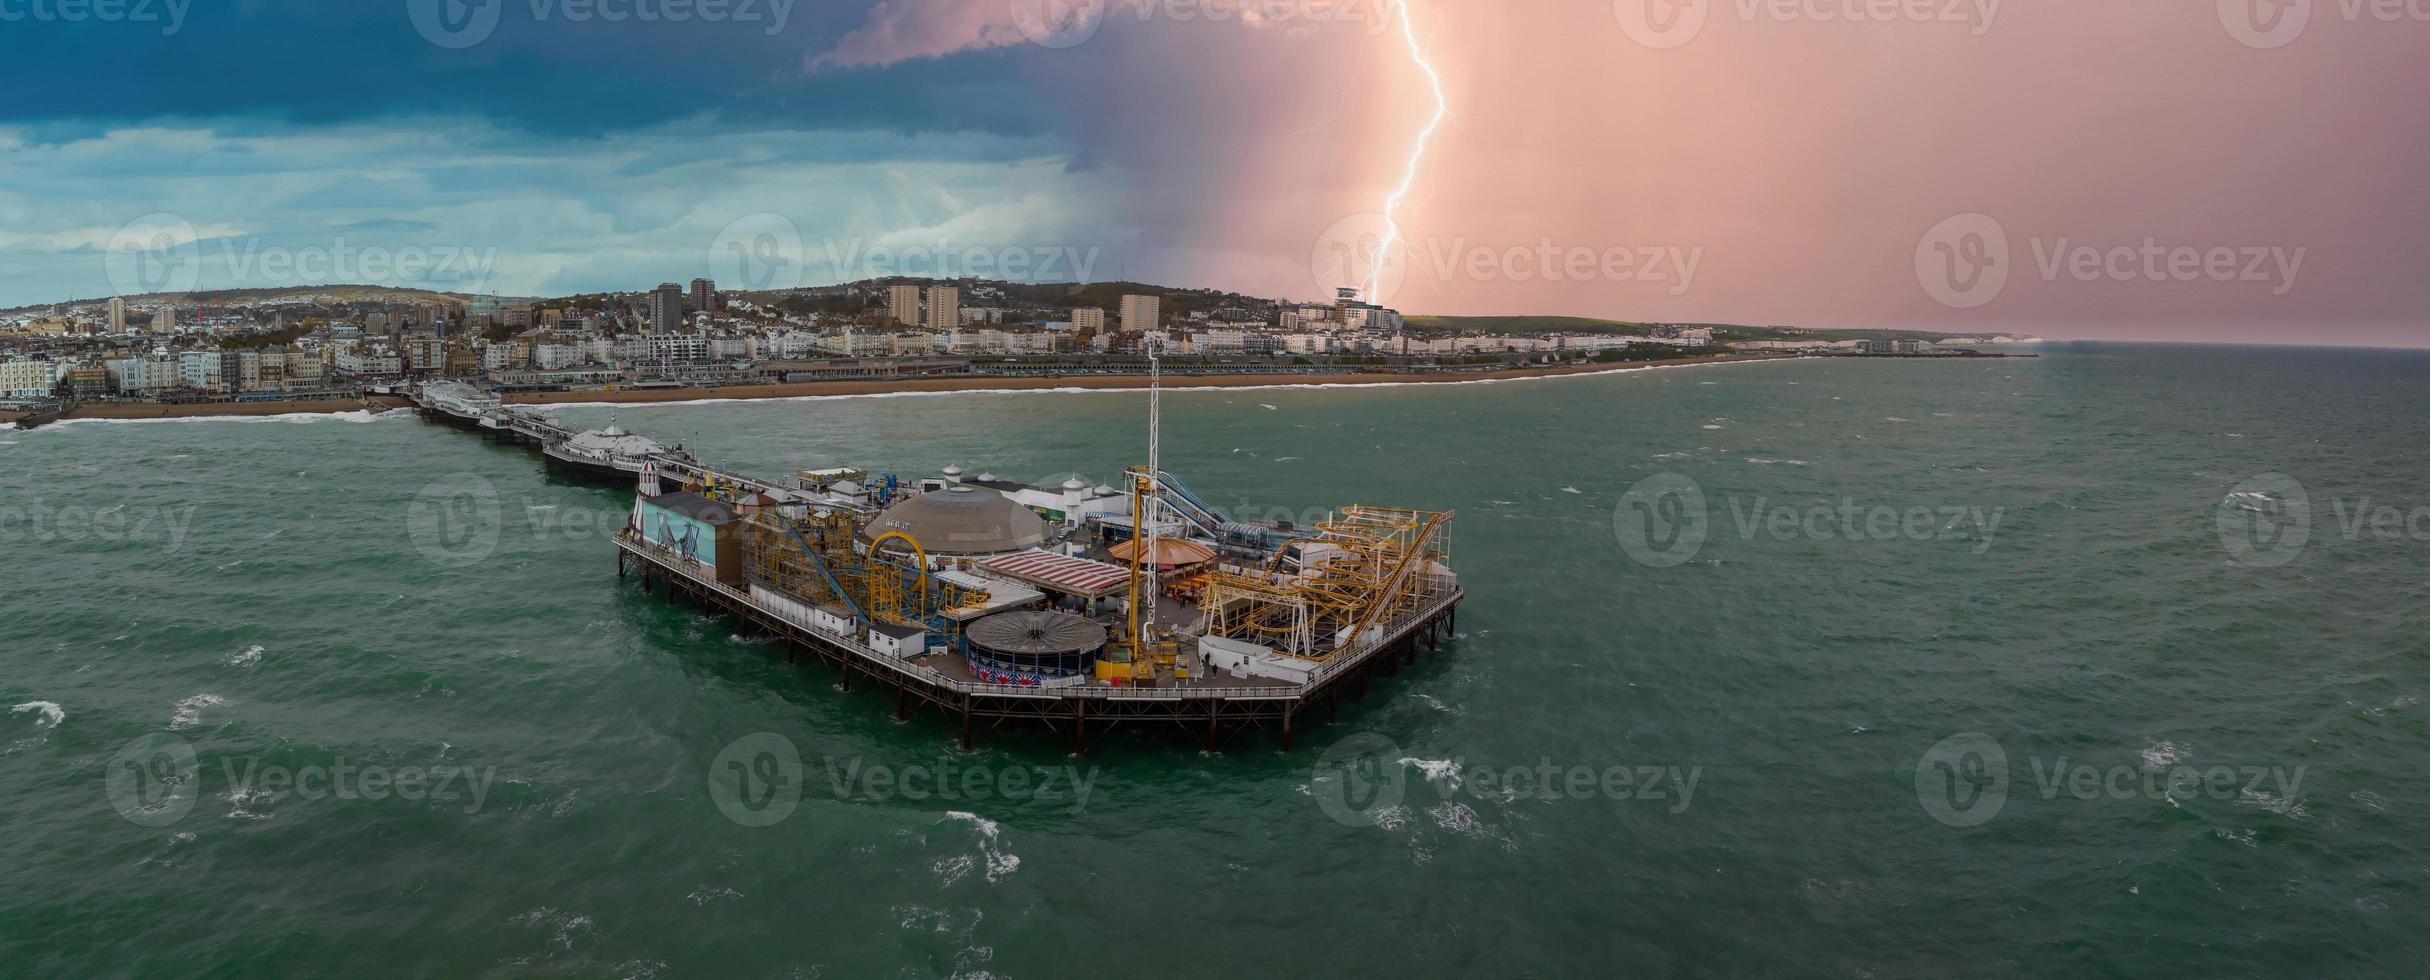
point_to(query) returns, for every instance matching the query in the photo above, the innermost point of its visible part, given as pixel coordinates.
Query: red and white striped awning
(1061, 573)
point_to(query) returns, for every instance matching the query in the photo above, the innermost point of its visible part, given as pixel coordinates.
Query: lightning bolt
(1417, 155)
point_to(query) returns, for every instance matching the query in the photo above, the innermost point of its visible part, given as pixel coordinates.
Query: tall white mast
(1155, 471)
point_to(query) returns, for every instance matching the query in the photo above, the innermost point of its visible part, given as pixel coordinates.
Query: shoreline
(139, 411)
(1093, 382)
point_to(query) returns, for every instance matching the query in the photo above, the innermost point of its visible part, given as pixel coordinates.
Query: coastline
(129, 411)
(140, 411)
(1115, 382)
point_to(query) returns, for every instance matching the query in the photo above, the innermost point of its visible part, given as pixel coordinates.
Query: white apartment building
(24, 380)
(1088, 319)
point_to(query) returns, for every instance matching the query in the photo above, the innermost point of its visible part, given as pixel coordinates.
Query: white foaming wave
(2273, 802)
(1777, 462)
(1673, 455)
(241, 800)
(47, 714)
(705, 894)
(1446, 771)
(1294, 386)
(189, 711)
(999, 861)
(2161, 755)
(1390, 818)
(1456, 817)
(290, 418)
(246, 657)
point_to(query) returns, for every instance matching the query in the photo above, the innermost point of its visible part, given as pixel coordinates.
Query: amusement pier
(1077, 607)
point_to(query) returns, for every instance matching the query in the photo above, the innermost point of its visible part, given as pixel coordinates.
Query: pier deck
(1215, 708)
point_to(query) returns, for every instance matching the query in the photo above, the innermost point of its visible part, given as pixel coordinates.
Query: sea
(2104, 662)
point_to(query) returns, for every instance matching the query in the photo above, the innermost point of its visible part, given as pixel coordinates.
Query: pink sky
(1798, 164)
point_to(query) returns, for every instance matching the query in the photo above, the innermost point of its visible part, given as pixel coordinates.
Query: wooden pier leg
(965, 723)
(902, 704)
(1288, 714)
(1333, 708)
(1080, 726)
(1360, 693)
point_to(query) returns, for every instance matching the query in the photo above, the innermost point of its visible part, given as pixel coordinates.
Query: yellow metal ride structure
(813, 558)
(1319, 595)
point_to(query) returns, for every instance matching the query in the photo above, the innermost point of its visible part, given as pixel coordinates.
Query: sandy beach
(813, 389)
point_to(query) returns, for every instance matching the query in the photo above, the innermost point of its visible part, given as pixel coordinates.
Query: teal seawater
(271, 594)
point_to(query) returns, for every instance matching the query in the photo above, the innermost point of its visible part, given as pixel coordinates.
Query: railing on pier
(669, 559)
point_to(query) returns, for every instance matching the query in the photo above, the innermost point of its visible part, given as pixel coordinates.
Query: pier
(1373, 594)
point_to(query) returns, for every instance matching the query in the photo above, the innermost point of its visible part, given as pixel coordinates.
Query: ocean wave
(189, 711)
(290, 418)
(2161, 755)
(47, 714)
(246, 657)
(998, 862)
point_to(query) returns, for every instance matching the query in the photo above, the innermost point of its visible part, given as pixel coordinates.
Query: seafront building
(670, 336)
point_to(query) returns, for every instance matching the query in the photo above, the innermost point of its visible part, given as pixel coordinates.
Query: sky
(2233, 170)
